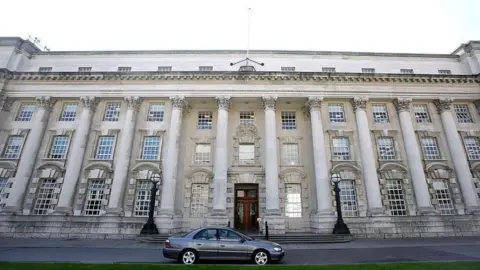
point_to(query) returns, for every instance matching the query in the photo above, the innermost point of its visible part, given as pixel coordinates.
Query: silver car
(221, 243)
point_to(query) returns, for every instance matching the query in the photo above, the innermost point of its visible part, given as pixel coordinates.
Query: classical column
(122, 157)
(459, 158)
(170, 159)
(271, 157)
(221, 157)
(75, 160)
(322, 181)
(368, 159)
(29, 155)
(414, 160)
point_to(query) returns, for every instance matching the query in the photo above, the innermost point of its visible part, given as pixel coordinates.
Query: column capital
(314, 102)
(178, 102)
(268, 102)
(45, 102)
(5, 103)
(477, 105)
(359, 103)
(443, 104)
(223, 102)
(402, 104)
(89, 102)
(133, 103)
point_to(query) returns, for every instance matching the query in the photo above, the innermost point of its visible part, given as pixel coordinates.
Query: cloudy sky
(422, 26)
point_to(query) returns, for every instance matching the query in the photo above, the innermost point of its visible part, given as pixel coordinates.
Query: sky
(407, 26)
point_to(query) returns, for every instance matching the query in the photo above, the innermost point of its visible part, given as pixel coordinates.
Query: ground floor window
(293, 200)
(45, 196)
(199, 203)
(142, 197)
(443, 196)
(348, 198)
(396, 198)
(95, 197)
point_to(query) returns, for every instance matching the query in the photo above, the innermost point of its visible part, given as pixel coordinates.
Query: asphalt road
(295, 256)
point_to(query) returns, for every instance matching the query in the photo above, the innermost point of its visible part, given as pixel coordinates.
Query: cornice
(320, 77)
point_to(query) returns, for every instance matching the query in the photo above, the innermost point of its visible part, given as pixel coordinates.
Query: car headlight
(277, 248)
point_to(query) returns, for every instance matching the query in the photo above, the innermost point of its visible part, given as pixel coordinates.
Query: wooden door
(246, 210)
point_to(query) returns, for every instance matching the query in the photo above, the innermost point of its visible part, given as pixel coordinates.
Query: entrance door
(246, 208)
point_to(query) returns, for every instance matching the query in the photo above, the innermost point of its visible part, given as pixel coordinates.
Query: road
(343, 255)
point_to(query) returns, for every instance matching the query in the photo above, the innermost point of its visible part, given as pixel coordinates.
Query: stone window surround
(396, 136)
(77, 111)
(333, 125)
(97, 133)
(104, 109)
(246, 133)
(52, 133)
(147, 111)
(293, 140)
(7, 170)
(202, 140)
(140, 170)
(350, 171)
(197, 176)
(151, 133)
(294, 176)
(5, 135)
(349, 134)
(440, 170)
(442, 145)
(429, 110)
(465, 134)
(18, 107)
(389, 111)
(396, 171)
(471, 112)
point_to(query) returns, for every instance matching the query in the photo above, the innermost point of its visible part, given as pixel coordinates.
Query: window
(199, 204)
(406, 71)
(463, 113)
(156, 111)
(205, 68)
(13, 147)
(142, 198)
(396, 198)
(205, 120)
(293, 200)
(472, 146)
(421, 113)
(290, 154)
(341, 148)
(444, 71)
(112, 112)
(45, 69)
(380, 114)
(442, 194)
(368, 70)
(202, 153)
(430, 148)
(348, 198)
(208, 234)
(69, 112)
(386, 148)
(328, 69)
(164, 68)
(151, 148)
(105, 147)
(84, 69)
(45, 196)
(288, 69)
(95, 197)
(227, 235)
(124, 69)
(4, 185)
(59, 147)
(336, 113)
(247, 118)
(26, 112)
(289, 120)
(246, 153)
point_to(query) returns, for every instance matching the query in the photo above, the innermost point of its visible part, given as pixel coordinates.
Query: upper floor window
(112, 112)
(59, 147)
(421, 113)
(26, 112)
(69, 112)
(13, 147)
(444, 71)
(290, 154)
(151, 148)
(406, 71)
(202, 153)
(288, 69)
(84, 69)
(205, 68)
(430, 148)
(386, 148)
(124, 69)
(368, 70)
(156, 112)
(289, 120)
(328, 69)
(247, 118)
(472, 146)
(380, 114)
(164, 68)
(336, 113)
(105, 147)
(45, 69)
(293, 200)
(205, 120)
(341, 148)
(246, 153)
(463, 113)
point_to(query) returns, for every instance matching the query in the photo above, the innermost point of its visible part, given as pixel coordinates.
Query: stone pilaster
(477, 105)
(414, 159)
(372, 187)
(29, 155)
(457, 152)
(122, 157)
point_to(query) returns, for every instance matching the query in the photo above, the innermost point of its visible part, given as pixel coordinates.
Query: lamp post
(150, 227)
(340, 226)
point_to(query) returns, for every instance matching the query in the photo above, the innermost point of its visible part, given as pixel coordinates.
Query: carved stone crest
(443, 104)
(45, 103)
(402, 104)
(223, 102)
(268, 102)
(246, 130)
(359, 103)
(89, 103)
(133, 103)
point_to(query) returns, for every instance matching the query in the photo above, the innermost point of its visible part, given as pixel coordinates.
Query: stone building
(82, 132)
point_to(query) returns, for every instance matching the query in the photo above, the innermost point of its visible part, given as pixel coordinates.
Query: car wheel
(188, 257)
(261, 257)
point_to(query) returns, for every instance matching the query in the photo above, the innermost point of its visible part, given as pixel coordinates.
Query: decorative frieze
(223, 102)
(46, 103)
(443, 104)
(359, 103)
(402, 104)
(268, 102)
(89, 102)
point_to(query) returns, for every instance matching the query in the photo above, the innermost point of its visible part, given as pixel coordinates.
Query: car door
(231, 245)
(206, 243)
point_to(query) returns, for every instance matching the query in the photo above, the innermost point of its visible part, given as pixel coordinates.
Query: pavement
(358, 251)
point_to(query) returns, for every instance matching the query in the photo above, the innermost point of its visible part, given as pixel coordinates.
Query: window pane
(289, 120)
(151, 148)
(386, 148)
(112, 112)
(290, 154)
(396, 198)
(142, 197)
(13, 147)
(421, 113)
(69, 112)
(380, 114)
(95, 197)
(199, 203)
(202, 153)
(472, 146)
(246, 154)
(45, 195)
(105, 147)
(26, 112)
(156, 112)
(336, 113)
(463, 113)
(444, 199)
(293, 200)
(247, 118)
(430, 148)
(348, 198)
(59, 147)
(341, 148)
(204, 120)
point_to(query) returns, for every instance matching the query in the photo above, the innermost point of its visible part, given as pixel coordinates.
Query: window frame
(4, 150)
(194, 211)
(418, 113)
(203, 122)
(62, 117)
(375, 112)
(101, 192)
(463, 120)
(52, 144)
(331, 113)
(17, 116)
(105, 119)
(289, 211)
(288, 120)
(140, 186)
(195, 154)
(161, 113)
(142, 150)
(424, 151)
(379, 148)
(333, 151)
(114, 139)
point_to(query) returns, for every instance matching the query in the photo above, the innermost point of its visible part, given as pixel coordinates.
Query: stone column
(221, 158)
(322, 179)
(75, 160)
(29, 155)
(370, 177)
(5, 105)
(459, 158)
(414, 160)
(170, 159)
(122, 157)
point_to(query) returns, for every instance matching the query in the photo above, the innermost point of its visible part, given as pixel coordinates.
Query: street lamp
(340, 226)
(150, 227)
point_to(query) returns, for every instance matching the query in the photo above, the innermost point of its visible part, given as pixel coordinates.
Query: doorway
(246, 207)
